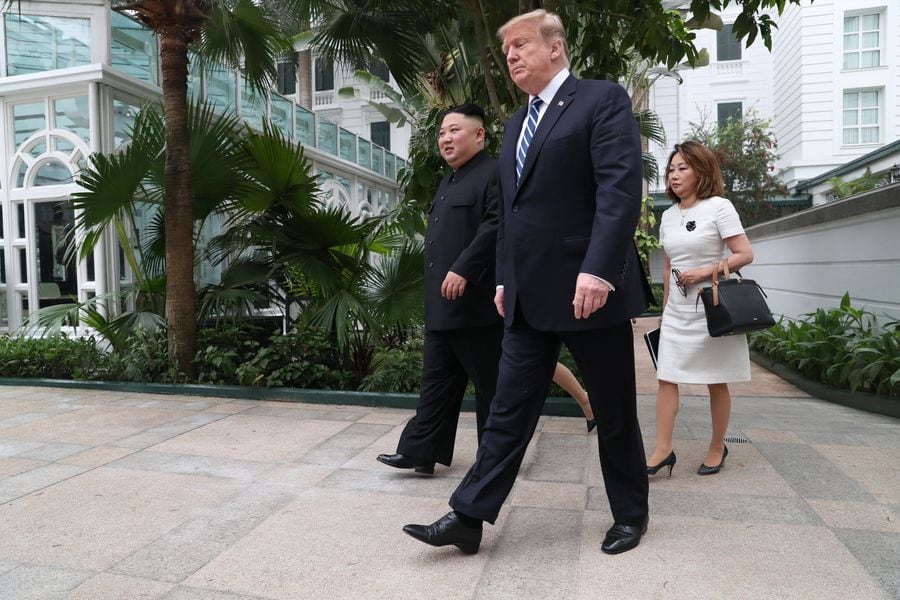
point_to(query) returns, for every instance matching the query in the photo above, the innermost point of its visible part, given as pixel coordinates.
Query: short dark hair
(704, 163)
(468, 109)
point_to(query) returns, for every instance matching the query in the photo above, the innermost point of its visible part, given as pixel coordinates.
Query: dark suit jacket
(461, 237)
(575, 209)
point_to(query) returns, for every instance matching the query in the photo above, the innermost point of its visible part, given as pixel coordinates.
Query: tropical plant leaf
(246, 35)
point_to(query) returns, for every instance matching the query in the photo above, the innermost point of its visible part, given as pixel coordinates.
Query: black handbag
(734, 306)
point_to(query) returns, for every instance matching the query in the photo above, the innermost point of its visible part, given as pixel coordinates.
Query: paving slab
(31, 582)
(93, 521)
(112, 495)
(324, 545)
(109, 586)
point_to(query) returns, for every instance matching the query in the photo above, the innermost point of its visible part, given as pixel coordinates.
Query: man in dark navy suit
(567, 272)
(462, 327)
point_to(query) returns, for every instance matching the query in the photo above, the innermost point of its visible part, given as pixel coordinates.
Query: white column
(102, 263)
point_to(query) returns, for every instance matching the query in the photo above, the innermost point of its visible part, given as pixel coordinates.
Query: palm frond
(341, 312)
(278, 175)
(242, 288)
(395, 286)
(152, 243)
(355, 30)
(246, 36)
(650, 167)
(651, 126)
(216, 158)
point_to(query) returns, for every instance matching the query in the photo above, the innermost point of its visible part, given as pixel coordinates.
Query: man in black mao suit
(567, 272)
(462, 327)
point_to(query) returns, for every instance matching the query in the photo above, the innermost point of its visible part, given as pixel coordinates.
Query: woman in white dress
(694, 233)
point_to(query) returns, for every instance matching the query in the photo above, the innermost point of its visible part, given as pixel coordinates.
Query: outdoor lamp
(895, 173)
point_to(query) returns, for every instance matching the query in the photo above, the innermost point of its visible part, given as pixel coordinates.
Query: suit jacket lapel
(564, 97)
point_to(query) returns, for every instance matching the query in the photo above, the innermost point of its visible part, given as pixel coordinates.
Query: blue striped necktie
(530, 126)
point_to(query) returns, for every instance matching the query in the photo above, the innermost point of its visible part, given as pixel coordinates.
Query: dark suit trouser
(605, 358)
(450, 359)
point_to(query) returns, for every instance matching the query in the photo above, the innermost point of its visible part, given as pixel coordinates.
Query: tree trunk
(305, 80)
(181, 298)
(484, 43)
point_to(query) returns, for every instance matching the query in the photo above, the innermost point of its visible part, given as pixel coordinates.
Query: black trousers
(451, 358)
(605, 358)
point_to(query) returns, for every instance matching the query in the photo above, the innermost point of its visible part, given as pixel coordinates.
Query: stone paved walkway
(133, 496)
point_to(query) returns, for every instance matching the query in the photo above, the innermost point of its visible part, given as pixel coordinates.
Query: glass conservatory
(72, 77)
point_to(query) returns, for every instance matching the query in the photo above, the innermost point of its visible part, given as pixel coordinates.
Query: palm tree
(237, 33)
(275, 229)
(115, 186)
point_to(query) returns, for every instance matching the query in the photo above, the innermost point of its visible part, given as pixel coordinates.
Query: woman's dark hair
(704, 164)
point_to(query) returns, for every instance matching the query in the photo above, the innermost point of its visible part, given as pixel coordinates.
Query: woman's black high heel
(704, 470)
(668, 461)
(591, 424)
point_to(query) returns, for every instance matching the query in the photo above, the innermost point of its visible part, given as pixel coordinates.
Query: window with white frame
(729, 112)
(861, 117)
(862, 40)
(324, 74)
(36, 43)
(728, 46)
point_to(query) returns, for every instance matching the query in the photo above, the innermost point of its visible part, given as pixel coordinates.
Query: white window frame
(879, 107)
(740, 101)
(858, 51)
(98, 16)
(735, 42)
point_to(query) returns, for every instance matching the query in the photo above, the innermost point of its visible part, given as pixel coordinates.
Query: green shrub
(395, 370)
(144, 358)
(841, 347)
(55, 357)
(221, 350)
(304, 358)
(656, 307)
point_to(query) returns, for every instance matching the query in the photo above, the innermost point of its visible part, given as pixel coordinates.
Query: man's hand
(590, 295)
(498, 301)
(454, 285)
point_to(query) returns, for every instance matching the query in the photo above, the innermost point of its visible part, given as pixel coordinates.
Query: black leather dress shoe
(622, 538)
(448, 531)
(398, 461)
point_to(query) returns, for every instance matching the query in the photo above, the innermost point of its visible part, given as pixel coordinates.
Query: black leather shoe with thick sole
(449, 530)
(622, 538)
(399, 461)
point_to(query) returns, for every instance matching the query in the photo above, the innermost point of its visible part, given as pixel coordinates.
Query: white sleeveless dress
(687, 353)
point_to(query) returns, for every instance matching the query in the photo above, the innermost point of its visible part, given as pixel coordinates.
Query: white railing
(325, 98)
(730, 69)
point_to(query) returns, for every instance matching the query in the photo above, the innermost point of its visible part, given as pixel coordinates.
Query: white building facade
(73, 75)
(358, 113)
(830, 86)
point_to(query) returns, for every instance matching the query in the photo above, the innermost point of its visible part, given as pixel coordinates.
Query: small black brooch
(690, 225)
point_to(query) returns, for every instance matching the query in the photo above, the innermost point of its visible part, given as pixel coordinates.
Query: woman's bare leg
(720, 409)
(565, 379)
(667, 401)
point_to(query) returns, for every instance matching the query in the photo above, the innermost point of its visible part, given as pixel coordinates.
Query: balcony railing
(325, 99)
(730, 69)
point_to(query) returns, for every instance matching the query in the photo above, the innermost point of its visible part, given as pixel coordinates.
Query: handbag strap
(722, 266)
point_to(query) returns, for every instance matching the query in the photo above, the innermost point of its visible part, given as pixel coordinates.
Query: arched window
(51, 172)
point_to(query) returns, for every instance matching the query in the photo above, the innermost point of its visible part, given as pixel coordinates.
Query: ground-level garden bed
(844, 355)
